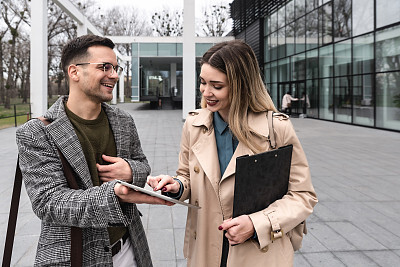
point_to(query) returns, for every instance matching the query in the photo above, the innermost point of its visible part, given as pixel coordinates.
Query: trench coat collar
(257, 123)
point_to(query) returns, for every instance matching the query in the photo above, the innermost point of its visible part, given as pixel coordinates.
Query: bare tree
(168, 23)
(13, 14)
(2, 89)
(215, 20)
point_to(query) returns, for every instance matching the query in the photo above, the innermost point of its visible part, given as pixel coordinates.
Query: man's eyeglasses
(108, 68)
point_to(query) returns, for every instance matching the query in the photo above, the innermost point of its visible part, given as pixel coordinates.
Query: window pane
(266, 49)
(312, 93)
(342, 100)
(388, 49)
(274, 22)
(363, 54)
(363, 16)
(267, 73)
(312, 64)
(284, 70)
(281, 43)
(273, 45)
(325, 24)
(326, 99)
(273, 90)
(166, 49)
(363, 107)
(300, 33)
(342, 19)
(274, 72)
(343, 58)
(387, 12)
(201, 48)
(311, 5)
(312, 29)
(299, 67)
(281, 17)
(148, 49)
(388, 100)
(326, 61)
(290, 12)
(179, 49)
(300, 7)
(290, 45)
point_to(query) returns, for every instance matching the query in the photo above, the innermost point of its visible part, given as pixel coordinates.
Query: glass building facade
(341, 55)
(157, 70)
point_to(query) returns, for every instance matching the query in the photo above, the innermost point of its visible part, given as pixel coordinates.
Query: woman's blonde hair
(247, 91)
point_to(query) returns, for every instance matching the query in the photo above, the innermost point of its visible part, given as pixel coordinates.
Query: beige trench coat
(199, 172)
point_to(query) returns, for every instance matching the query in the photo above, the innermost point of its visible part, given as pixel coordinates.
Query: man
(287, 103)
(101, 144)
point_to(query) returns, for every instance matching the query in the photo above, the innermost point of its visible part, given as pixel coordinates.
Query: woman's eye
(202, 82)
(217, 87)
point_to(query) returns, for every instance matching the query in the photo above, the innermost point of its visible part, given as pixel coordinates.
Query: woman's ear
(73, 73)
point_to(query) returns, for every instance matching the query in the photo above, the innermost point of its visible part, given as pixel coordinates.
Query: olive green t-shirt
(96, 139)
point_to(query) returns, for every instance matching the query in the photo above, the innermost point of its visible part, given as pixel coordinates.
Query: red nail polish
(220, 227)
(164, 189)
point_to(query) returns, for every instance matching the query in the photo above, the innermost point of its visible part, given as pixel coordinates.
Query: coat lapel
(65, 138)
(63, 134)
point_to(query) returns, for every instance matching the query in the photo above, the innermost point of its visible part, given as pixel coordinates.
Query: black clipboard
(261, 179)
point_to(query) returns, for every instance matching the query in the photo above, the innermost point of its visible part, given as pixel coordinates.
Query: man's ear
(73, 73)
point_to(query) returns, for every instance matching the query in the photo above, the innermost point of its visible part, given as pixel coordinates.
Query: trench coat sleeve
(298, 203)
(52, 199)
(183, 172)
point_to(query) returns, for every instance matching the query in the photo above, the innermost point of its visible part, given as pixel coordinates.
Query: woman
(232, 123)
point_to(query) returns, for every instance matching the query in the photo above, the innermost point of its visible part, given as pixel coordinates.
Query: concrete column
(189, 58)
(38, 56)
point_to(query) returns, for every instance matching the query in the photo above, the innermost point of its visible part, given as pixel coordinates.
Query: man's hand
(128, 195)
(238, 229)
(117, 169)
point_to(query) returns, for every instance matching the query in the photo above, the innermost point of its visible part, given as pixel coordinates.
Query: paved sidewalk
(355, 171)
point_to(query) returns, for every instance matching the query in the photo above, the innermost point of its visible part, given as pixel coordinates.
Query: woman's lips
(211, 102)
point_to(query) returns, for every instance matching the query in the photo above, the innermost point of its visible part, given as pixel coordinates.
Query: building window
(363, 16)
(363, 54)
(387, 12)
(388, 49)
(342, 19)
(363, 106)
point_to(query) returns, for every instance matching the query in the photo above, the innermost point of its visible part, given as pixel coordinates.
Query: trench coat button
(194, 235)
(196, 169)
(196, 203)
(204, 130)
(264, 249)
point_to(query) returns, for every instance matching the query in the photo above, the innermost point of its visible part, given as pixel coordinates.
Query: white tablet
(154, 194)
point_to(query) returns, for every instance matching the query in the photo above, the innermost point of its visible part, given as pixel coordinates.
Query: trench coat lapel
(205, 149)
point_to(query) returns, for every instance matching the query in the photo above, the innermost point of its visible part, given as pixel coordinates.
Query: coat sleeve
(52, 199)
(183, 173)
(298, 203)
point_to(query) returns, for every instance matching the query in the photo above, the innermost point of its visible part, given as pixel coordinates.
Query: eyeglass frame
(114, 68)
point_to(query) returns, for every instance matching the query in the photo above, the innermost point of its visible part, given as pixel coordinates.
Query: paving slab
(355, 172)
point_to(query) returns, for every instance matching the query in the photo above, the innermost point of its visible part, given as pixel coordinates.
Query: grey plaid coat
(91, 208)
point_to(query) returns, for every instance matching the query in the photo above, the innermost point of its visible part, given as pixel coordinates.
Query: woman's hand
(238, 229)
(164, 182)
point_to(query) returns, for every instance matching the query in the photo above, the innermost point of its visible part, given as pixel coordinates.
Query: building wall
(344, 54)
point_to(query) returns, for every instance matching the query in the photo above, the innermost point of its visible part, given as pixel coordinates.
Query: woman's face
(215, 90)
